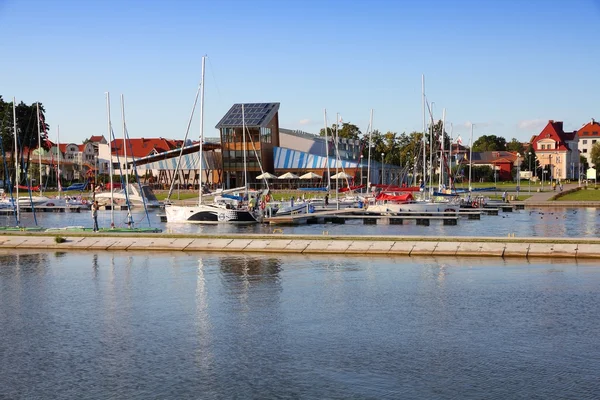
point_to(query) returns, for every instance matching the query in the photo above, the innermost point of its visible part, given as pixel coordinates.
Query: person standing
(504, 197)
(95, 215)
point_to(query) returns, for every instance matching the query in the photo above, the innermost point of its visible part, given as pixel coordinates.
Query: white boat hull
(417, 207)
(208, 214)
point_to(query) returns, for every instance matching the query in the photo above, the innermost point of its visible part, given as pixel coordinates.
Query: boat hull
(208, 214)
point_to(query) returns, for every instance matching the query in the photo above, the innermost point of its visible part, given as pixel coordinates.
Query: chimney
(551, 121)
(593, 122)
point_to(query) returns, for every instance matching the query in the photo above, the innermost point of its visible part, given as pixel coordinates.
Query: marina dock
(524, 247)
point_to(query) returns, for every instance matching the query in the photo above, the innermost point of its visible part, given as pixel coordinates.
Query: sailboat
(224, 209)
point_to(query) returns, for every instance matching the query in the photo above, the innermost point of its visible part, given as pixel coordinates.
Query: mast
(470, 157)
(431, 151)
(369, 160)
(110, 163)
(424, 129)
(337, 154)
(442, 150)
(125, 152)
(58, 160)
(450, 157)
(39, 146)
(244, 152)
(327, 151)
(201, 154)
(16, 160)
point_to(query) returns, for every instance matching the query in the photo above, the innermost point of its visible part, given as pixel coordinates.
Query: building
(278, 150)
(500, 161)
(557, 150)
(587, 137)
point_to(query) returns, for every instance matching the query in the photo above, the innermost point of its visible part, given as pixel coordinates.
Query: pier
(524, 247)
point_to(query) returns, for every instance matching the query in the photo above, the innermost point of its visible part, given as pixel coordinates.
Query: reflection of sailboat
(218, 212)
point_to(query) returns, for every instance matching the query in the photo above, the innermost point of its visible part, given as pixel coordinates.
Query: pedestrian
(554, 186)
(504, 197)
(129, 220)
(95, 215)
(561, 186)
(326, 199)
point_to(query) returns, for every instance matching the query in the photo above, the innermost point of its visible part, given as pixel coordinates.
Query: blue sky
(508, 66)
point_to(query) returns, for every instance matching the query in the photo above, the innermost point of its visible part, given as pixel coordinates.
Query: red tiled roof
(589, 129)
(96, 139)
(554, 130)
(143, 147)
(63, 147)
(81, 147)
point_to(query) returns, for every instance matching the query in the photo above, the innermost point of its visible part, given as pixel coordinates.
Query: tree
(346, 131)
(515, 146)
(595, 155)
(489, 143)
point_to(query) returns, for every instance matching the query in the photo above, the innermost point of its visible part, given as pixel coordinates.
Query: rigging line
(138, 179)
(6, 174)
(187, 131)
(256, 155)
(212, 71)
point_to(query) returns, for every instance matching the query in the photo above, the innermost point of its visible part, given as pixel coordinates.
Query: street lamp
(530, 173)
(550, 163)
(382, 154)
(518, 175)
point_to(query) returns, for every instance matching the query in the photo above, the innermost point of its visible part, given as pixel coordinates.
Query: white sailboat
(223, 210)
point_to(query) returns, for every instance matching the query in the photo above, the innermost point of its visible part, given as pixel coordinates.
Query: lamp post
(530, 173)
(518, 174)
(550, 163)
(382, 176)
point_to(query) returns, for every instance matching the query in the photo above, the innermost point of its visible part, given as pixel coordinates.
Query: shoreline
(509, 247)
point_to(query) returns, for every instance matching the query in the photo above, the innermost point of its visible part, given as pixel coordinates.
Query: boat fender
(84, 201)
(475, 205)
(268, 198)
(221, 217)
(262, 205)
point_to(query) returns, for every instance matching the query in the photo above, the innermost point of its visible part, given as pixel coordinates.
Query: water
(142, 326)
(546, 222)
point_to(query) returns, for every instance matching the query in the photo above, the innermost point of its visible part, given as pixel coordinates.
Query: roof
(256, 115)
(142, 147)
(97, 138)
(554, 130)
(494, 157)
(592, 128)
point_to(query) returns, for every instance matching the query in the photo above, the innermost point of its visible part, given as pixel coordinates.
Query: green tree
(347, 131)
(489, 143)
(515, 146)
(595, 155)
(584, 163)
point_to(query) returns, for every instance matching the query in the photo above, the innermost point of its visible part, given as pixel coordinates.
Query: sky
(506, 66)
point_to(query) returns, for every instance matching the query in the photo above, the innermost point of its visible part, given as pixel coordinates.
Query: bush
(60, 239)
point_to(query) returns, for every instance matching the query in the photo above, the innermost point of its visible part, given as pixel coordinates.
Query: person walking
(504, 197)
(95, 215)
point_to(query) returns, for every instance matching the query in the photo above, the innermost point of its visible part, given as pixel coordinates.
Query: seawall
(306, 244)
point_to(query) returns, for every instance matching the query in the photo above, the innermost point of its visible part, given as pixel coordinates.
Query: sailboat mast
(369, 159)
(16, 160)
(39, 146)
(58, 158)
(431, 151)
(125, 150)
(337, 154)
(201, 154)
(470, 157)
(244, 153)
(442, 149)
(110, 163)
(327, 150)
(424, 130)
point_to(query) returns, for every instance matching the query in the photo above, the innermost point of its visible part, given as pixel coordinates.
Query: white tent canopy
(288, 175)
(310, 175)
(341, 175)
(266, 175)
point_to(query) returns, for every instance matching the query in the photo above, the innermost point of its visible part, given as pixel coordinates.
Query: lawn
(582, 195)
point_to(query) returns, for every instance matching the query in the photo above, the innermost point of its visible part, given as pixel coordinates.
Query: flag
(341, 120)
(458, 140)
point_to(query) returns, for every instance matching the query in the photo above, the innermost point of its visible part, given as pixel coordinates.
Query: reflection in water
(175, 325)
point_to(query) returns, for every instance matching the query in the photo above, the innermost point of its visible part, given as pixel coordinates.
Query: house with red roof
(587, 137)
(558, 149)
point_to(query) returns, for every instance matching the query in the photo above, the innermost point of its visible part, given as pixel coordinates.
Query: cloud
(532, 124)
(305, 121)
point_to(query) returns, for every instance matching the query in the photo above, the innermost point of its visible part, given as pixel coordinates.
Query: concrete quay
(524, 247)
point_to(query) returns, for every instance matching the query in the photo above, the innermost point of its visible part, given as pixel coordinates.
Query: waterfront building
(587, 137)
(558, 151)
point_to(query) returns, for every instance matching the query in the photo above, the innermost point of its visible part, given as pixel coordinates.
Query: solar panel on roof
(255, 114)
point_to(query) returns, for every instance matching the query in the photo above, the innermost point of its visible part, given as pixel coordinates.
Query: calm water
(559, 222)
(146, 326)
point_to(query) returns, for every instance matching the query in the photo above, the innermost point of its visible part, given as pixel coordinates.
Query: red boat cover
(27, 187)
(404, 197)
(346, 189)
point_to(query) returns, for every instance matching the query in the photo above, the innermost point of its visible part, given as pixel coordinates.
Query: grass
(582, 195)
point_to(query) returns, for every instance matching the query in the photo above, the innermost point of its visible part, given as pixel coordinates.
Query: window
(586, 133)
(542, 147)
(585, 150)
(594, 141)
(584, 141)
(595, 133)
